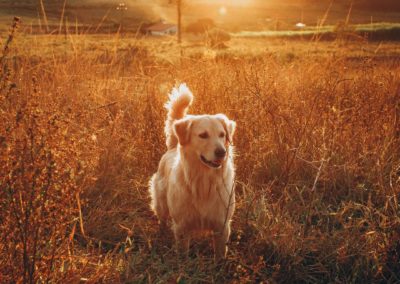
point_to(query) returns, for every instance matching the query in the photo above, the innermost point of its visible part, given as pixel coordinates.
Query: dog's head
(205, 138)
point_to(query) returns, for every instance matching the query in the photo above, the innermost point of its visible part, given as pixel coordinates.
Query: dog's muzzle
(212, 164)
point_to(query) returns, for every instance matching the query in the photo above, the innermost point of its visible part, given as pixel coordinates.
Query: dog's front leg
(221, 238)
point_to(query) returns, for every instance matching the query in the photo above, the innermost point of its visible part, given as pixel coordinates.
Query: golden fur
(194, 183)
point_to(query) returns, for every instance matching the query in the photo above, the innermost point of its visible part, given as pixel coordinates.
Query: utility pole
(179, 12)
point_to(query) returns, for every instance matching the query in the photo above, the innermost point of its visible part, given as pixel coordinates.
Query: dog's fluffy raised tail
(179, 101)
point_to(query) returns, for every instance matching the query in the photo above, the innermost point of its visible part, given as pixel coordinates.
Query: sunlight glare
(222, 10)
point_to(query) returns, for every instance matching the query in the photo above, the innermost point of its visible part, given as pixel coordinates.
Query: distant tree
(217, 38)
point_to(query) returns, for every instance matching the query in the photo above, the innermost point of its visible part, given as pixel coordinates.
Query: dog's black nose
(220, 152)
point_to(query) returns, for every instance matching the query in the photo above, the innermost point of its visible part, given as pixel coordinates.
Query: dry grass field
(317, 156)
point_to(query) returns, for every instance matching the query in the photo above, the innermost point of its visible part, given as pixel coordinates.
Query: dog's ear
(182, 130)
(229, 126)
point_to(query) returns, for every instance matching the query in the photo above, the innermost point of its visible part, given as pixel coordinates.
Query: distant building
(161, 29)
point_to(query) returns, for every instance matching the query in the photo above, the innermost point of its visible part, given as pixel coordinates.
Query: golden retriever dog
(193, 186)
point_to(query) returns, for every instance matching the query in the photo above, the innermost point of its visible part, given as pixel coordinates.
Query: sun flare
(222, 11)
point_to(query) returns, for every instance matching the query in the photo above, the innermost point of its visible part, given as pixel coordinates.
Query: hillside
(256, 17)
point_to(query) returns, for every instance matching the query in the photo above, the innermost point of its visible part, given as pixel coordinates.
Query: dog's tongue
(218, 162)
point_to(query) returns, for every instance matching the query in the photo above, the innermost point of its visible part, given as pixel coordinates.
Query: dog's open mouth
(212, 164)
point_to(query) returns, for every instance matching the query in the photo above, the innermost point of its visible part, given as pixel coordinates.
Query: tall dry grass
(317, 165)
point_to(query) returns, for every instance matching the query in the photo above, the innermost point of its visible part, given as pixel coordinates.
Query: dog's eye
(203, 135)
(222, 135)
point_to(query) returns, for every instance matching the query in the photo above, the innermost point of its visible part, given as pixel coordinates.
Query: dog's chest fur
(207, 193)
(210, 195)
